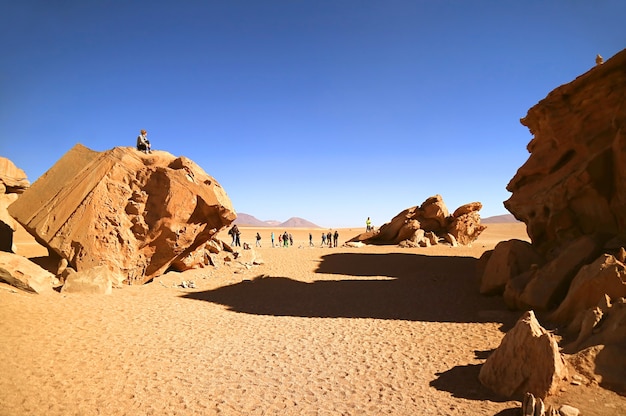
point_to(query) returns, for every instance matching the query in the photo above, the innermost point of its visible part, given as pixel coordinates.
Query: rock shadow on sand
(411, 287)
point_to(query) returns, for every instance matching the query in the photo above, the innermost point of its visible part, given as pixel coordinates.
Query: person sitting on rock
(143, 144)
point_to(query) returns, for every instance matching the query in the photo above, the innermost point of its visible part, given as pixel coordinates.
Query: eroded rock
(135, 213)
(24, 274)
(527, 360)
(424, 225)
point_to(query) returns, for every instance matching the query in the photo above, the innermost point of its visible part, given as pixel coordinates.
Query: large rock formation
(416, 225)
(13, 182)
(571, 193)
(135, 213)
(574, 182)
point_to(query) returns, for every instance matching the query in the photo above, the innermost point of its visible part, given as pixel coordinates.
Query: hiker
(272, 237)
(237, 234)
(336, 237)
(329, 239)
(143, 144)
(368, 224)
(231, 233)
(258, 240)
(310, 240)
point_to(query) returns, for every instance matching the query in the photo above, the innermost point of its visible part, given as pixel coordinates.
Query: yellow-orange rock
(574, 182)
(135, 213)
(413, 224)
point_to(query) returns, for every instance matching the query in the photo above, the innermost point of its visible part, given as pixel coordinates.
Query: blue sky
(326, 110)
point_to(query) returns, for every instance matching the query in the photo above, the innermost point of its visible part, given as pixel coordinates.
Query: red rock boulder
(135, 213)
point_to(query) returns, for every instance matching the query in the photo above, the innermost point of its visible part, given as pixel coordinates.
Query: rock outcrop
(416, 226)
(135, 213)
(574, 182)
(13, 181)
(571, 193)
(12, 178)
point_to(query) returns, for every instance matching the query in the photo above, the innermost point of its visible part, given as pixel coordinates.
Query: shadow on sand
(410, 287)
(392, 286)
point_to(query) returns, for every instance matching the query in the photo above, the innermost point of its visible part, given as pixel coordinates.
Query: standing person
(285, 239)
(231, 233)
(258, 239)
(368, 224)
(280, 240)
(143, 144)
(272, 237)
(237, 236)
(329, 238)
(323, 239)
(336, 237)
(310, 240)
(290, 239)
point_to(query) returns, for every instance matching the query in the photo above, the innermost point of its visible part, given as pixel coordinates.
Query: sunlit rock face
(13, 182)
(135, 213)
(574, 182)
(571, 193)
(427, 223)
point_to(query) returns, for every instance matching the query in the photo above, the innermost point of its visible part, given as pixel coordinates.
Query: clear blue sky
(327, 110)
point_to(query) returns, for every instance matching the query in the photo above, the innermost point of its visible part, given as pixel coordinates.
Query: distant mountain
(499, 219)
(293, 222)
(249, 220)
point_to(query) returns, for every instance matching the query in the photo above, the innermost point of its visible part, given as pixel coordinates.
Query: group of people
(236, 236)
(284, 239)
(330, 239)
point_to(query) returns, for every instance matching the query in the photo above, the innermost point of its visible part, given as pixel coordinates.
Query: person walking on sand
(258, 240)
(272, 237)
(143, 144)
(368, 224)
(310, 240)
(323, 239)
(286, 239)
(335, 238)
(329, 238)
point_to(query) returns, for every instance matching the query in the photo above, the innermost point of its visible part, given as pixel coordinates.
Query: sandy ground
(312, 331)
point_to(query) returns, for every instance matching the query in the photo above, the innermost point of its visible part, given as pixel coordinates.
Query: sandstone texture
(571, 194)
(13, 181)
(12, 178)
(132, 212)
(24, 274)
(574, 182)
(428, 223)
(527, 361)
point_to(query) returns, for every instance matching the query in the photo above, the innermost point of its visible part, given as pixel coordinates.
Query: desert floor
(312, 331)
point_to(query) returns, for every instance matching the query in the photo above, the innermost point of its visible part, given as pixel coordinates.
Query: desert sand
(312, 331)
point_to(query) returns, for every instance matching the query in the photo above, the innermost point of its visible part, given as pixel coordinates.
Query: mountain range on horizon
(296, 222)
(293, 222)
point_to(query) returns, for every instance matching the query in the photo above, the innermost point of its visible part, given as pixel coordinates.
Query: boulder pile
(135, 214)
(571, 193)
(428, 224)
